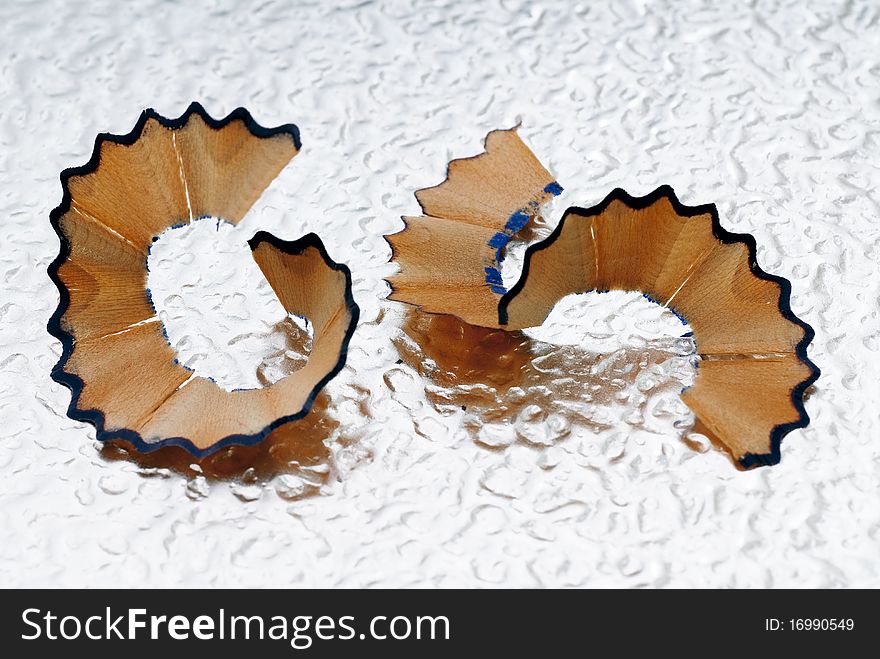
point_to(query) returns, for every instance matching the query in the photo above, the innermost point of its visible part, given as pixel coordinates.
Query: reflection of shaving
(515, 389)
(297, 452)
(294, 344)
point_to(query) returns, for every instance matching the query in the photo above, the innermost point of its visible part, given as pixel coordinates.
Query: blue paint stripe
(499, 240)
(553, 188)
(516, 222)
(493, 276)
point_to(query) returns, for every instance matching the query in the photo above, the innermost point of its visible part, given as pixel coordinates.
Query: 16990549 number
(822, 624)
(809, 624)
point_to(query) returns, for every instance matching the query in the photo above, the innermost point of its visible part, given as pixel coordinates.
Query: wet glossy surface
(445, 455)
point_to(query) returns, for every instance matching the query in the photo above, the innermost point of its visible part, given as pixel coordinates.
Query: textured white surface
(218, 310)
(582, 474)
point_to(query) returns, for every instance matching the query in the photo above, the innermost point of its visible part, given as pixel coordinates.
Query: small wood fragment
(450, 257)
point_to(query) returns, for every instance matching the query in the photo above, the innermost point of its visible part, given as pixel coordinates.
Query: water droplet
(550, 458)
(495, 435)
(84, 494)
(504, 482)
(293, 488)
(113, 484)
(198, 488)
(534, 428)
(246, 492)
(114, 544)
